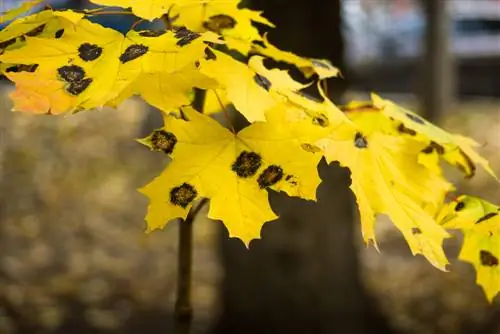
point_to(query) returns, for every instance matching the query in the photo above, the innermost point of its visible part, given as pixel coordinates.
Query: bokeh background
(73, 255)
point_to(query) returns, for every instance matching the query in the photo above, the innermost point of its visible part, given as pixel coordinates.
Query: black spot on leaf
(183, 195)
(163, 141)
(321, 120)
(71, 73)
(22, 68)
(152, 33)
(415, 118)
(133, 52)
(185, 36)
(360, 141)
(270, 176)
(209, 54)
(89, 52)
(488, 259)
(262, 81)
(36, 31)
(486, 217)
(433, 146)
(246, 164)
(416, 230)
(403, 129)
(5, 44)
(218, 22)
(460, 206)
(77, 87)
(59, 33)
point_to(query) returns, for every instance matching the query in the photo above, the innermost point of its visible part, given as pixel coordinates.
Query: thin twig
(183, 305)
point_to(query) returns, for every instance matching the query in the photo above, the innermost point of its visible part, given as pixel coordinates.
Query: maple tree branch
(183, 306)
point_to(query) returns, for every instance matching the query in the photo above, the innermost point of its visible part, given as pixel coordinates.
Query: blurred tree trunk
(303, 275)
(438, 81)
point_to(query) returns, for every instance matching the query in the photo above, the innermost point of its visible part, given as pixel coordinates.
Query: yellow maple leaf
(455, 149)
(387, 179)
(309, 66)
(233, 171)
(21, 9)
(479, 220)
(253, 89)
(99, 65)
(147, 9)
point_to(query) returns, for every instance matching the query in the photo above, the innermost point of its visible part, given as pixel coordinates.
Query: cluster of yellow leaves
(62, 62)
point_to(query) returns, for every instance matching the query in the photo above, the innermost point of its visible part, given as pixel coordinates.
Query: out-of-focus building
(378, 30)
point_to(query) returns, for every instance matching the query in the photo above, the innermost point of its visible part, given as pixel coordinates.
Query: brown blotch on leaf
(22, 68)
(246, 164)
(310, 148)
(209, 54)
(360, 141)
(488, 259)
(77, 87)
(71, 73)
(320, 120)
(486, 217)
(416, 230)
(459, 206)
(89, 52)
(36, 31)
(185, 36)
(415, 118)
(218, 22)
(183, 195)
(262, 81)
(152, 33)
(403, 129)
(433, 146)
(133, 52)
(270, 176)
(5, 44)
(164, 141)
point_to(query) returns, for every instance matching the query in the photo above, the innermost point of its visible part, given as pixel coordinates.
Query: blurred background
(73, 256)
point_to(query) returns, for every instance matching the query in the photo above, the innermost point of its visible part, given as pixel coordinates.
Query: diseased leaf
(479, 220)
(233, 171)
(455, 149)
(387, 179)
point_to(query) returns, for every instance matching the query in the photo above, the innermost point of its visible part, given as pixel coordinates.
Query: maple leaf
(233, 171)
(309, 66)
(253, 89)
(387, 179)
(46, 23)
(479, 220)
(455, 149)
(15, 12)
(98, 65)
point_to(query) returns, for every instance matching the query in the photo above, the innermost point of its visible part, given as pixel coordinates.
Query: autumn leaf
(479, 220)
(21, 9)
(387, 179)
(455, 149)
(99, 65)
(233, 171)
(309, 66)
(253, 89)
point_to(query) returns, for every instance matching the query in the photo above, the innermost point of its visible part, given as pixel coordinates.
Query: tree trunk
(438, 81)
(303, 275)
